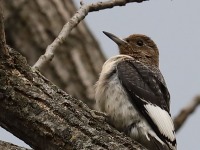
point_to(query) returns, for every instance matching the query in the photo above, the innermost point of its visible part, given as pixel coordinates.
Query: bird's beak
(117, 40)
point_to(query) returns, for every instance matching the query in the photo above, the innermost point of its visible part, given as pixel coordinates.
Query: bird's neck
(146, 61)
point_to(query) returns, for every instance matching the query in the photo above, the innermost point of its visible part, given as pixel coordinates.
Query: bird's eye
(140, 43)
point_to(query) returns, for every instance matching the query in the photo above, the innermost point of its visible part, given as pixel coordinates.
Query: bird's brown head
(140, 47)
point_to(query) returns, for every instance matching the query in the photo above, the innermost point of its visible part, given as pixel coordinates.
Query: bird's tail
(157, 145)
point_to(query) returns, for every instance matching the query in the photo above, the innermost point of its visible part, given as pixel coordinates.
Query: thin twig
(180, 119)
(73, 22)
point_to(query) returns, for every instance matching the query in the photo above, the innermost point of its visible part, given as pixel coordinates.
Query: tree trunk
(47, 118)
(32, 25)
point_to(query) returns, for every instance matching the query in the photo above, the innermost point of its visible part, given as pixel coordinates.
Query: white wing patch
(162, 119)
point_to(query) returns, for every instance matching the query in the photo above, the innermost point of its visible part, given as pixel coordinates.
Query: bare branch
(73, 22)
(184, 114)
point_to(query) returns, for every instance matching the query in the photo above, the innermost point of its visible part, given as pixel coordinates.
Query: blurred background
(174, 27)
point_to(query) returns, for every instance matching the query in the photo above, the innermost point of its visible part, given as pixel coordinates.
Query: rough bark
(9, 146)
(32, 25)
(47, 118)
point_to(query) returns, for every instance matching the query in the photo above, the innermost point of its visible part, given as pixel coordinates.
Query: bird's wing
(163, 87)
(146, 93)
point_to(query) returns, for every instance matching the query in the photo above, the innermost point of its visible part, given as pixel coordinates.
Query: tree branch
(47, 118)
(184, 114)
(73, 22)
(9, 146)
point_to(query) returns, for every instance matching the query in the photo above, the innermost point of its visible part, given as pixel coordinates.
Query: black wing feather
(143, 82)
(143, 87)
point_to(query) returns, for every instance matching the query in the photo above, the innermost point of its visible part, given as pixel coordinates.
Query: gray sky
(175, 28)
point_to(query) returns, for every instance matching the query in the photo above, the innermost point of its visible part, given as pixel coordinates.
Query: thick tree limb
(45, 117)
(80, 15)
(9, 146)
(184, 114)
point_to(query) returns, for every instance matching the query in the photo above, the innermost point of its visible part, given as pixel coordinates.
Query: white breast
(111, 97)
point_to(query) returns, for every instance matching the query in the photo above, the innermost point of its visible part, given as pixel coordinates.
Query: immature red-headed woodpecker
(132, 92)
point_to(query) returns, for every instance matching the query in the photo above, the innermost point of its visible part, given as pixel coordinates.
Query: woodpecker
(132, 92)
